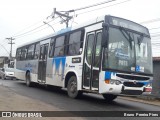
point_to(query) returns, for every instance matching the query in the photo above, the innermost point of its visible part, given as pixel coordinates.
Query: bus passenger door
(42, 63)
(92, 61)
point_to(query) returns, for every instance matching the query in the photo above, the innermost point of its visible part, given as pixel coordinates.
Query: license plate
(148, 89)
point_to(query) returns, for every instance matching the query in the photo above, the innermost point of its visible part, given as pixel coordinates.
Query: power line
(4, 48)
(33, 29)
(158, 35)
(154, 28)
(27, 28)
(57, 17)
(65, 15)
(28, 31)
(94, 5)
(150, 21)
(104, 7)
(155, 33)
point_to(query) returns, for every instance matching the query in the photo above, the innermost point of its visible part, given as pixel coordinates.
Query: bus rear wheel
(109, 97)
(72, 88)
(28, 79)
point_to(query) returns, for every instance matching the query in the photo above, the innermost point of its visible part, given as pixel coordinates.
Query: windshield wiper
(126, 35)
(140, 39)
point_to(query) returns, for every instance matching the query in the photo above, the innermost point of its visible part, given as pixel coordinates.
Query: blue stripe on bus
(59, 60)
(107, 75)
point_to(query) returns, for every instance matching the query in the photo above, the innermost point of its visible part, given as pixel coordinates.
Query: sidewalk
(11, 101)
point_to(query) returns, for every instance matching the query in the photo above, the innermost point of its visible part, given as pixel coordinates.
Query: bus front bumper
(124, 90)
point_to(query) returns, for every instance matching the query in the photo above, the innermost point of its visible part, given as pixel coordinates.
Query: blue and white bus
(108, 55)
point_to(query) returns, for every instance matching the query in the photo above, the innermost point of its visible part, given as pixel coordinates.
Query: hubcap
(73, 87)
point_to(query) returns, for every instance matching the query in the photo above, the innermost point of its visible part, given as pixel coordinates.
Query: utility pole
(11, 42)
(65, 17)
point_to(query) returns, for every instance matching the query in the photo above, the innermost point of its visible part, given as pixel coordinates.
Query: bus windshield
(128, 51)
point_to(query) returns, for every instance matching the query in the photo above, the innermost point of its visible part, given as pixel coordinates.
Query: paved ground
(15, 96)
(11, 101)
(148, 100)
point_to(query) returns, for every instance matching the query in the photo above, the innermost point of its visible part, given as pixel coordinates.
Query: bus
(108, 55)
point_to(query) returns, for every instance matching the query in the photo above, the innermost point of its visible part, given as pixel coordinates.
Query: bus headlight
(117, 82)
(112, 81)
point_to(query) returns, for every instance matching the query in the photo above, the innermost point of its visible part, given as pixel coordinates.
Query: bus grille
(131, 84)
(131, 77)
(132, 92)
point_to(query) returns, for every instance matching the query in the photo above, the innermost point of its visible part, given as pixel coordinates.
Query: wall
(156, 78)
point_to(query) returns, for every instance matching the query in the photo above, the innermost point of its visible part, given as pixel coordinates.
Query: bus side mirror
(105, 35)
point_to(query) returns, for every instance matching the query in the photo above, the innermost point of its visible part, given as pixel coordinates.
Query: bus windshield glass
(128, 51)
(127, 24)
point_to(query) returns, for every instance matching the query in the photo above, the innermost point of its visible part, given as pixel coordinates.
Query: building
(156, 77)
(3, 60)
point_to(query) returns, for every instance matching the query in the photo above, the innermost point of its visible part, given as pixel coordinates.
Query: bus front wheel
(72, 88)
(109, 97)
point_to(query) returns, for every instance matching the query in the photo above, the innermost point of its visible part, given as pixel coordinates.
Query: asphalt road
(89, 102)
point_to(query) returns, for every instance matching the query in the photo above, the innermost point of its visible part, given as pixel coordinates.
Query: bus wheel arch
(71, 85)
(69, 74)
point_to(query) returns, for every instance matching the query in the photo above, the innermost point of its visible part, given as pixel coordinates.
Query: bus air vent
(131, 77)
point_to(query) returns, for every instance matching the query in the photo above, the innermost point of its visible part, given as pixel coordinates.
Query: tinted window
(98, 50)
(59, 46)
(18, 55)
(90, 48)
(30, 54)
(52, 44)
(74, 43)
(24, 53)
(37, 49)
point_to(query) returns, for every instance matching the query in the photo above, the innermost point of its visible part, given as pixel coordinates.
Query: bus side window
(51, 50)
(36, 52)
(74, 43)
(59, 46)
(30, 53)
(24, 53)
(18, 54)
(89, 49)
(98, 50)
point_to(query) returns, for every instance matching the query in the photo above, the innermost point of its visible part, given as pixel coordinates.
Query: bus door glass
(92, 61)
(42, 63)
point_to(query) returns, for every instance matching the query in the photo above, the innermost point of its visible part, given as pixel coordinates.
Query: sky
(24, 19)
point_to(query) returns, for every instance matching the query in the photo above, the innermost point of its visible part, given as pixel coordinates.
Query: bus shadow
(98, 99)
(88, 98)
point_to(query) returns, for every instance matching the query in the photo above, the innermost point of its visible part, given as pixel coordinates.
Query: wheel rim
(27, 80)
(73, 87)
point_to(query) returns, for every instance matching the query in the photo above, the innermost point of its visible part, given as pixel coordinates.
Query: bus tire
(109, 97)
(28, 79)
(72, 88)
